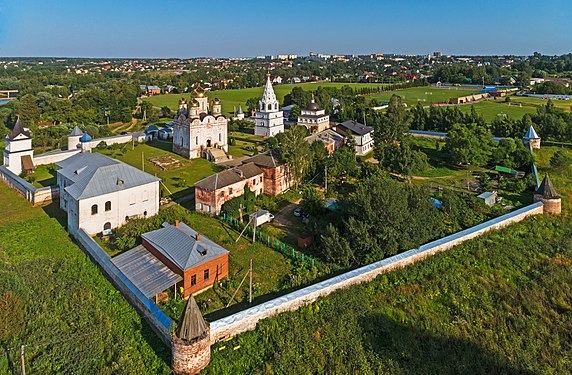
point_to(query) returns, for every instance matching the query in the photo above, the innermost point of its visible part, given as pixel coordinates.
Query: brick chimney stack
(198, 236)
(177, 223)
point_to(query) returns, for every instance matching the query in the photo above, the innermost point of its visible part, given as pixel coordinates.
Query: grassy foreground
(54, 300)
(497, 304)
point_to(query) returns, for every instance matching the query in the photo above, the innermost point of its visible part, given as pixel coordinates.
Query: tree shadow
(417, 351)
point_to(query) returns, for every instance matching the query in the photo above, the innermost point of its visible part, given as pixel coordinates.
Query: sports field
(493, 109)
(424, 94)
(234, 98)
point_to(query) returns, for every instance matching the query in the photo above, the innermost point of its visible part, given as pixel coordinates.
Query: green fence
(268, 240)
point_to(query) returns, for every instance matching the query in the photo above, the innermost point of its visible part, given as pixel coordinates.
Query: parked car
(298, 212)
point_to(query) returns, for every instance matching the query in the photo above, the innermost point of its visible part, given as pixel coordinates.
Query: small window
(107, 226)
(206, 274)
(94, 209)
(144, 213)
(220, 137)
(197, 140)
(193, 280)
(230, 191)
(132, 199)
(108, 206)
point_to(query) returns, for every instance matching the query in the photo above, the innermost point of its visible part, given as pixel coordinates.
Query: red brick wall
(276, 180)
(218, 269)
(161, 257)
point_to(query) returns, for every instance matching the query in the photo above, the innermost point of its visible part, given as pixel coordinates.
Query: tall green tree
(296, 152)
(469, 144)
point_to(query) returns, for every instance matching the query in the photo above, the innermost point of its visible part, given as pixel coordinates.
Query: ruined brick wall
(247, 319)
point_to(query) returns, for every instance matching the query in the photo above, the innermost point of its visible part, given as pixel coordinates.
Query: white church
(198, 131)
(269, 119)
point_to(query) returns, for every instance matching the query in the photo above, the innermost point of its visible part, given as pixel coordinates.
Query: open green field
(45, 175)
(180, 180)
(423, 94)
(56, 302)
(497, 304)
(565, 105)
(491, 109)
(243, 144)
(234, 98)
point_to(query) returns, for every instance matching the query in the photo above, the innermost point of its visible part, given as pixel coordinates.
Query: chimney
(177, 223)
(198, 237)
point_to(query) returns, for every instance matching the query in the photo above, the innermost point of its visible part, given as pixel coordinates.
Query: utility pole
(326, 178)
(22, 358)
(240, 213)
(250, 291)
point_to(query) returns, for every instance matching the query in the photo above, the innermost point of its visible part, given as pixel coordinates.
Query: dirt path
(283, 217)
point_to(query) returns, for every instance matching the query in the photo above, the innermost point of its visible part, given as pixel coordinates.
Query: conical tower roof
(546, 189)
(192, 325)
(268, 96)
(18, 129)
(239, 112)
(531, 134)
(75, 132)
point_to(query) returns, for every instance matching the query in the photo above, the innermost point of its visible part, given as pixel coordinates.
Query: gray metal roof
(94, 174)
(229, 177)
(144, 270)
(531, 134)
(75, 132)
(180, 246)
(192, 326)
(356, 127)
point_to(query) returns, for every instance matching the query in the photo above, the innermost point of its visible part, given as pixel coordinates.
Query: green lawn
(565, 105)
(54, 300)
(424, 95)
(497, 304)
(491, 109)
(45, 175)
(244, 144)
(179, 180)
(234, 98)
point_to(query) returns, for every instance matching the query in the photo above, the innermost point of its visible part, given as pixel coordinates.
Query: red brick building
(213, 191)
(194, 257)
(277, 179)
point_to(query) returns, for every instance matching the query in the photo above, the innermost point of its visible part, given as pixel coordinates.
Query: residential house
(197, 259)
(362, 134)
(277, 178)
(331, 139)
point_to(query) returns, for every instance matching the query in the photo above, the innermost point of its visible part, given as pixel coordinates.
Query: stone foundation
(190, 357)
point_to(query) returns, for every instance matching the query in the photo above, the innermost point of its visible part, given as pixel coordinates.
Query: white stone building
(362, 134)
(100, 193)
(314, 118)
(195, 129)
(269, 119)
(18, 152)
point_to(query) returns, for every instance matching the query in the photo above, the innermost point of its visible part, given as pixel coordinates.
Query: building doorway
(209, 143)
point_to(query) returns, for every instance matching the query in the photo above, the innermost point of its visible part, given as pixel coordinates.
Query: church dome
(195, 103)
(182, 100)
(200, 92)
(85, 138)
(313, 106)
(216, 100)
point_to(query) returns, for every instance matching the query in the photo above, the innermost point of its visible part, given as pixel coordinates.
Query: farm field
(423, 94)
(234, 98)
(179, 180)
(495, 304)
(54, 300)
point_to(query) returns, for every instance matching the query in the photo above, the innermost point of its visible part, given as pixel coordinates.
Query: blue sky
(189, 28)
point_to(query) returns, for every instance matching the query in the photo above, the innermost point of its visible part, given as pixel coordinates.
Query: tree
(28, 112)
(166, 111)
(294, 113)
(252, 105)
(560, 159)
(296, 152)
(469, 144)
(335, 247)
(313, 202)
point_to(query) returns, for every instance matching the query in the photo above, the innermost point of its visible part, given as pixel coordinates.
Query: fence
(247, 319)
(32, 194)
(269, 241)
(157, 319)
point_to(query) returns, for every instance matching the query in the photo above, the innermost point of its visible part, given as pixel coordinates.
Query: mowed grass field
(234, 98)
(179, 180)
(423, 94)
(58, 304)
(491, 109)
(565, 105)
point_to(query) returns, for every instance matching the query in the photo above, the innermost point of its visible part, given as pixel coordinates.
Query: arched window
(108, 206)
(94, 209)
(270, 107)
(107, 226)
(197, 140)
(220, 137)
